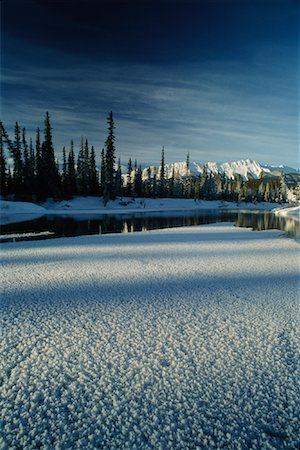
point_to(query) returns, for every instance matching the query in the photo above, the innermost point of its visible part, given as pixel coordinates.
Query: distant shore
(87, 205)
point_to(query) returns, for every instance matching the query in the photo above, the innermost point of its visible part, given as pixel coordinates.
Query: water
(47, 227)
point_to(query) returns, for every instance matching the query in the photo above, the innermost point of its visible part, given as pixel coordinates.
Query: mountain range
(248, 169)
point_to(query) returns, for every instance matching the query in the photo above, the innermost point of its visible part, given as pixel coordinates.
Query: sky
(215, 78)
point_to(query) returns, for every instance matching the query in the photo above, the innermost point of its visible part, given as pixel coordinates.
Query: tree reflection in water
(78, 225)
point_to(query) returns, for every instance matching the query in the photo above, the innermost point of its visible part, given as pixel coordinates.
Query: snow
(125, 205)
(293, 212)
(7, 207)
(246, 168)
(25, 235)
(280, 168)
(177, 339)
(13, 212)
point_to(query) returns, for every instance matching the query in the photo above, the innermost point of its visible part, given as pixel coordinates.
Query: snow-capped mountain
(246, 168)
(280, 168)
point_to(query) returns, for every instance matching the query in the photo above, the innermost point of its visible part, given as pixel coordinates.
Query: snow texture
(172, 339)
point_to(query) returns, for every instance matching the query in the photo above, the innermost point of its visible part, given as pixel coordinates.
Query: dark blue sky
(216, 78)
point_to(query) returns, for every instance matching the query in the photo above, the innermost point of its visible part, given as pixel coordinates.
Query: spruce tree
(154, 183)
(18, 162)
(138, 183)
(93, 175)
(119, 180)
(71, 172)
(102, 173)
(31, 162)
(49, 168)
(3, 174)
(26, 168)
(80, 169)
(171, 182)
(64, 174)
(86, 169)
(148, 183)
(187, 164)
(38, 163)
(109, 188)
(129, 180)
(162, 187)
(282, 194)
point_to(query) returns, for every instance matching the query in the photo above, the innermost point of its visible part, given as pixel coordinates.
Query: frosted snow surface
(171, 339)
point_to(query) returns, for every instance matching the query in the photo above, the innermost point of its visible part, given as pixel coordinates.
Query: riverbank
(179, 338)
(95, 205)
(293, 212)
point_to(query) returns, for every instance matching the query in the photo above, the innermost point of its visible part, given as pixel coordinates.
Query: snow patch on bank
(86, 205)
(7, 207)
(293, 212)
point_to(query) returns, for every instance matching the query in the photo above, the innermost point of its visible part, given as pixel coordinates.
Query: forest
(37, 174)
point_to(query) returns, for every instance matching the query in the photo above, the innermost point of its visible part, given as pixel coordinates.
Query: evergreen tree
(172, 182)
(154, 183)
(3, 174)
(138, 182)
(80, 169)
(119, 179)
(162, 183)
(109, 188)
(282, 194)
(187, 164)
(31, 162)
(129, 179)
(86, 169)
(64, 174)
(237, 188)
(49, 168)
(18, 162)
(93, 175)
(217, 179)
(102, 173)
(147, 184)
(71, 185)
(9, 182)
(38, 163)
(27, 181)
(197, 193)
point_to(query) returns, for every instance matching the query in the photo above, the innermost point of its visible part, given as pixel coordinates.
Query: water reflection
(59, 226)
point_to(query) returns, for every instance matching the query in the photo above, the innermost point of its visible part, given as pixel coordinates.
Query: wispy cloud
(213, 112)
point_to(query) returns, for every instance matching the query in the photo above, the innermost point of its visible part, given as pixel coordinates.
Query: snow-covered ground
(293, 212)
(173, 339)
(11, 212)
(125, 205)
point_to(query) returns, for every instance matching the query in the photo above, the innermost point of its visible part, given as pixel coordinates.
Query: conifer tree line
(37, 174)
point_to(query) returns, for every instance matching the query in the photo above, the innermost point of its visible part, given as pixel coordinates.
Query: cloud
(214, 111)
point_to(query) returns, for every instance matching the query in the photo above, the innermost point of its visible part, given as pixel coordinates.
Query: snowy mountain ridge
(246, 168)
